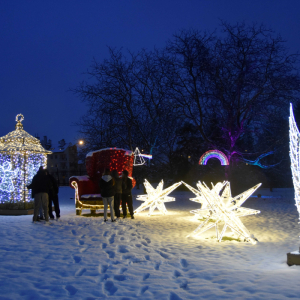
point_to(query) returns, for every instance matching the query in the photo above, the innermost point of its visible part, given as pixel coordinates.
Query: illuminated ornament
(7, 176)
(21, 155)
(214, 154)
(220, 208)
(295, 157)
(293, 258)
(138, 159)
(156, 198)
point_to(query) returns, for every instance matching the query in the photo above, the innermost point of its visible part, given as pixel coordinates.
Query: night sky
(46, 46)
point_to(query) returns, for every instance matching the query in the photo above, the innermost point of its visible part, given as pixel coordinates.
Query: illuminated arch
(214, 154)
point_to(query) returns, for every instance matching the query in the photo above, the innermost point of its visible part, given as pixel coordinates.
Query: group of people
(115, 189)
(45, 192)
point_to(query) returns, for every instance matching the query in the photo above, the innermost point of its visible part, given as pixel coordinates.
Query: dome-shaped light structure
(21, 155)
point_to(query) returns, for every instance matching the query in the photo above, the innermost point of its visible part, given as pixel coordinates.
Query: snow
(81, 257)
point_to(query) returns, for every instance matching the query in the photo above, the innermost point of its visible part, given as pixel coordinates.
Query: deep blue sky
(46, 46)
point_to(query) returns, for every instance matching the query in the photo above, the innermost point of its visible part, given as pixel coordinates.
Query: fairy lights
(155, 198)
(21, 155)
(222, 208)
(214, 154)
(295, 157)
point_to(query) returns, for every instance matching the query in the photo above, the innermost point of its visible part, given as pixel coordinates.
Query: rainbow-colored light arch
(214, 154)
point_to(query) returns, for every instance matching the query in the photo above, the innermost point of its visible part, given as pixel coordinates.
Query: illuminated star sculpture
(156, 198)
(220, 207)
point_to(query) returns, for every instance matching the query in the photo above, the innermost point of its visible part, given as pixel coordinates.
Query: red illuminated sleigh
(87, 190)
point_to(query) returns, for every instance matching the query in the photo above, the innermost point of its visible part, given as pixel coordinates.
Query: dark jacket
(107, 186)
(126, 186)
(118, 185)
(55, 188)
(41, 183)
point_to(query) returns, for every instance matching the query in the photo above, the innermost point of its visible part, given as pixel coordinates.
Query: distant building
(63, 162)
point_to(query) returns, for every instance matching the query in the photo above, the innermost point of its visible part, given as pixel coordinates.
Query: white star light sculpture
(295, 157)
(219, 207)
(156, 198)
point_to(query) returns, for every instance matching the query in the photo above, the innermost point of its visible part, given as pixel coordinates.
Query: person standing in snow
(53, 197)
(41, 186)
(126, 194)
(118, 192)
(107, 192)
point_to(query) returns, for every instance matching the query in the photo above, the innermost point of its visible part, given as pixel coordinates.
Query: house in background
(63, 162)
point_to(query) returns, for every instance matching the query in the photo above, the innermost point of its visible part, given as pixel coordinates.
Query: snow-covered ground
(82, 257)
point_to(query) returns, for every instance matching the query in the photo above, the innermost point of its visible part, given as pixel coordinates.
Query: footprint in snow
(122, 249)
(162, 254)
(80, 272)
(146, 276)
(71, 289)
(111, 254)
(122, 238)
(184, 284)
(143, 290)
(80, 242)
(144, 243)
(103, 268)
(138, 245)
(73, 232)
(103, 277)
(112, 239)
(156, 266)
(147, 257)
(176, 273)
(122, 270)
(174, 296)
(184, 263)
(77, 259)
(109, 288)
(119, 277)
(104, 245)
(106, 233)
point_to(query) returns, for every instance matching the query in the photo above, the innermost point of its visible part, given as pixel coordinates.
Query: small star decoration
(156, 198)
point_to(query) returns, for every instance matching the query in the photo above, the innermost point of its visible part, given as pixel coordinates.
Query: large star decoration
(156, 198)
(218, 207)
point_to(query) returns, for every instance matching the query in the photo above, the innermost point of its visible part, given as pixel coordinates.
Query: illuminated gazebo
(21, 155)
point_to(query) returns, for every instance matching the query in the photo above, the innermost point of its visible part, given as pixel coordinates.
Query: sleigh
(87, 190)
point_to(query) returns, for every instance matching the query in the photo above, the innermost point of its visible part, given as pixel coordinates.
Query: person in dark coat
(53, 197)
(118, 192)
(41, 186)
(126, 194)
(107, 192)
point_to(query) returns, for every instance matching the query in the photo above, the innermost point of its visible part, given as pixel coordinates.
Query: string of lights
(21, 155)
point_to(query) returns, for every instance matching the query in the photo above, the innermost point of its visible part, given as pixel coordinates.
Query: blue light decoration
(258, 163)
(21, 155)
